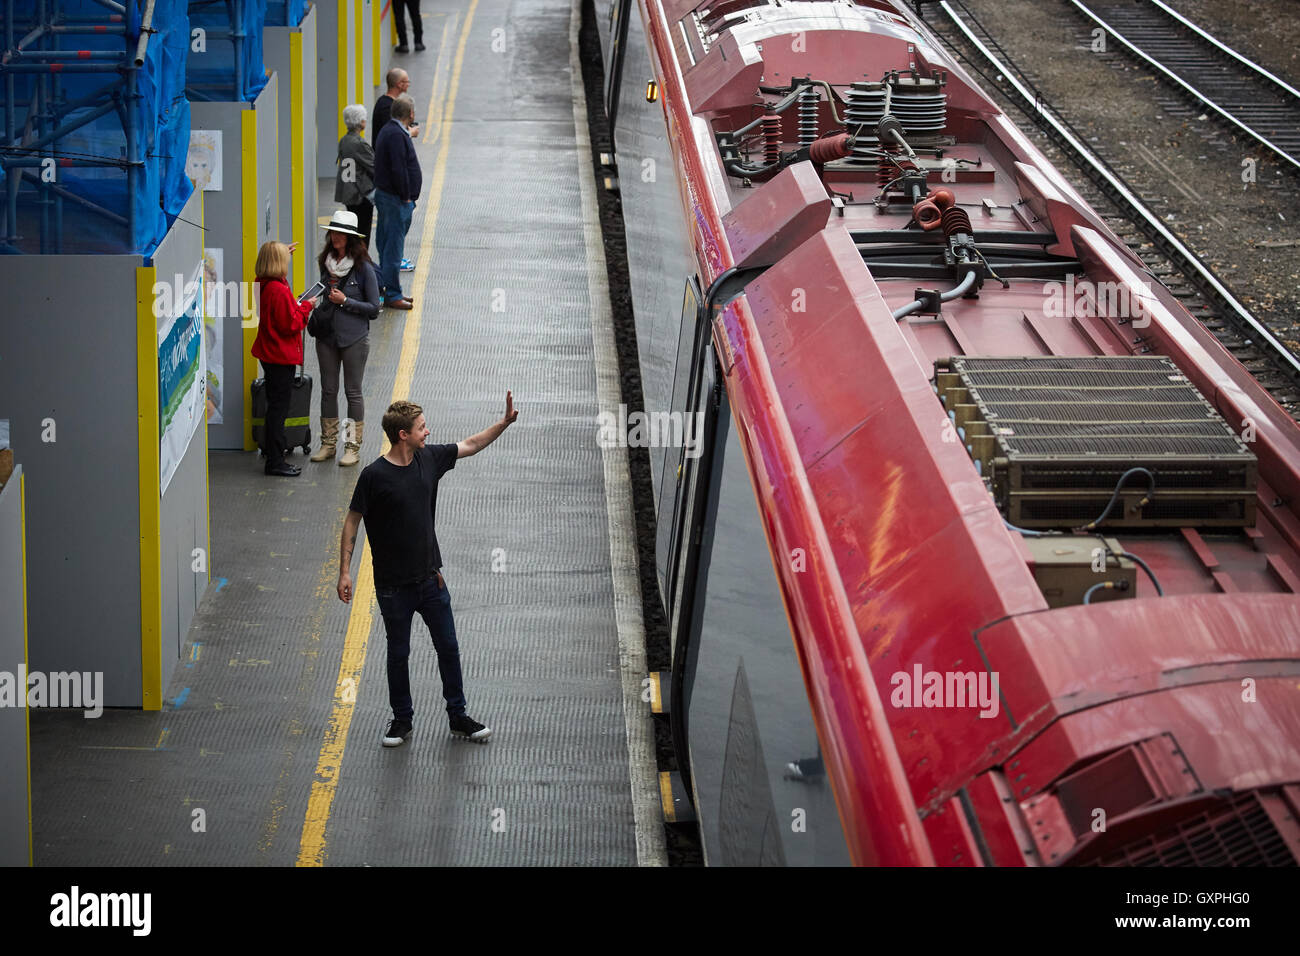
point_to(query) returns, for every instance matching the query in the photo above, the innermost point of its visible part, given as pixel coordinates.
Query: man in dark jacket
(397, 186)
(398, 83)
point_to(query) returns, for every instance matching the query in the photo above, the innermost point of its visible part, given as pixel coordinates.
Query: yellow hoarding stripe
(248, 130)
(150, 502)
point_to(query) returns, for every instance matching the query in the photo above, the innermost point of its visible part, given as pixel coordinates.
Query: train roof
(855, 458)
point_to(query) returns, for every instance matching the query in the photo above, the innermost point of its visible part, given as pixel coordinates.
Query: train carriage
(989, 552)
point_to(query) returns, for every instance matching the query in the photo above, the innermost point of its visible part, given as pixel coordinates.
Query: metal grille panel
(1053, 437)
(1241, 833)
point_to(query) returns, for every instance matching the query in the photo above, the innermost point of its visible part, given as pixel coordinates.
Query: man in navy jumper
(397, 186)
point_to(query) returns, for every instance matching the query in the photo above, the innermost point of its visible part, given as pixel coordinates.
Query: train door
(700, 404)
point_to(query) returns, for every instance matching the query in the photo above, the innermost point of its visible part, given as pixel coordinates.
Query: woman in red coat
(279, 347)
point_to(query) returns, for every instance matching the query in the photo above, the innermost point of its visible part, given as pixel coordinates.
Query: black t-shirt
(383, 112)
(400, 506)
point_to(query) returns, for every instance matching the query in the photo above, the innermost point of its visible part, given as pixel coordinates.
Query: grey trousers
(353, 360)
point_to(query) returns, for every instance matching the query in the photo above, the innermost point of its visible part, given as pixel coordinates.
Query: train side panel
(759, 779)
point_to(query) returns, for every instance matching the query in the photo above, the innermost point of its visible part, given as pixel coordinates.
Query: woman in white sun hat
(341, 326)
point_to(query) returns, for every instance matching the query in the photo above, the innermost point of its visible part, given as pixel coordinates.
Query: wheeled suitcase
(297, 424)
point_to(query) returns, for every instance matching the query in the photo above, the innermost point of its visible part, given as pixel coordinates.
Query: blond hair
(272, 261)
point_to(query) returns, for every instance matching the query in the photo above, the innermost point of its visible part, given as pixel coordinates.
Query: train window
(688, 517)
(619, 12)
(674, 459)
(752, 749)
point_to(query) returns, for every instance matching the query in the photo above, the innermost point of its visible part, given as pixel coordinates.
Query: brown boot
(329, 439)
(352, 444)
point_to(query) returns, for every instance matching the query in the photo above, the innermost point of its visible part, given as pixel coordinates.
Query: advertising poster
(214, 310)
(182, 380)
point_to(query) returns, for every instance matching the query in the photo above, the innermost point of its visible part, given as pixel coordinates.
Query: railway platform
(267, 751)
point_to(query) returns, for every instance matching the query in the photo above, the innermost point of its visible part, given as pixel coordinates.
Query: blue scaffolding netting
(285, 13)
(96, 126)
(225, 62)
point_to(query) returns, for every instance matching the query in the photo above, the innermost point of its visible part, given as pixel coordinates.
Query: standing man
(397, 186)
(417, 27)
(397, 495)
(398, 83)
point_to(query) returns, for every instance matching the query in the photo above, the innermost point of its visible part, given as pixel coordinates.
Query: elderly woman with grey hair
(355, 184)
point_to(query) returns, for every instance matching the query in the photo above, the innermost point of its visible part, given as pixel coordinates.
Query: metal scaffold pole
(31, 153)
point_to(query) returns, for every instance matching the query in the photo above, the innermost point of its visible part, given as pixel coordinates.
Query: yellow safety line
(311, 849)
(433, 127)
(150, 504)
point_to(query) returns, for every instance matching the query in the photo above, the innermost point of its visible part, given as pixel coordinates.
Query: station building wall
(107, 591)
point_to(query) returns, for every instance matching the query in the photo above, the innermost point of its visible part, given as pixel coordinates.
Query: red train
(990, 552)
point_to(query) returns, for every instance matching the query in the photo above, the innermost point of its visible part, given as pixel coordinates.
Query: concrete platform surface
(267, 752)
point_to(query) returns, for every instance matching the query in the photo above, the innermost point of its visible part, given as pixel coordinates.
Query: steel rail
(1202, 97)
(1184, 258)
(1226, 49)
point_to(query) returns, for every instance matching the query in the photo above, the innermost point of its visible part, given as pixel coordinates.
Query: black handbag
(320, 324)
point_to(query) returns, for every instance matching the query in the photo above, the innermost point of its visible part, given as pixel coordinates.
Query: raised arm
(350, 526)
(476, 443)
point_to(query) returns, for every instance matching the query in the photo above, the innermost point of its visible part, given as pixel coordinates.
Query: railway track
(1201, 292)
(1253, 100)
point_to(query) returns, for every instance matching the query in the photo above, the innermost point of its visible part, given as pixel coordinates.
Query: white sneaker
(398, 731)
(465, 726)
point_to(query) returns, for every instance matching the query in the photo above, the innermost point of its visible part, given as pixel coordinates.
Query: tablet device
(311, 293)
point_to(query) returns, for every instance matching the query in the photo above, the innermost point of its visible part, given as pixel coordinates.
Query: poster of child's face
(213, 313)
(203, 163)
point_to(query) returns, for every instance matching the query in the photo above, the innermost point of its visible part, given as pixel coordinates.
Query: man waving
(397, 495)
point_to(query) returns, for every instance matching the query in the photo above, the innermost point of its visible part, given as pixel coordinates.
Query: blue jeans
(394, 223)
(397, 605)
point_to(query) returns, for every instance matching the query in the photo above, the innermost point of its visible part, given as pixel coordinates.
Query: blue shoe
(407, 266)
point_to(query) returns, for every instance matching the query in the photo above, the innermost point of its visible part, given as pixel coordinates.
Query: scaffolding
(67, 66)
(217, 73)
